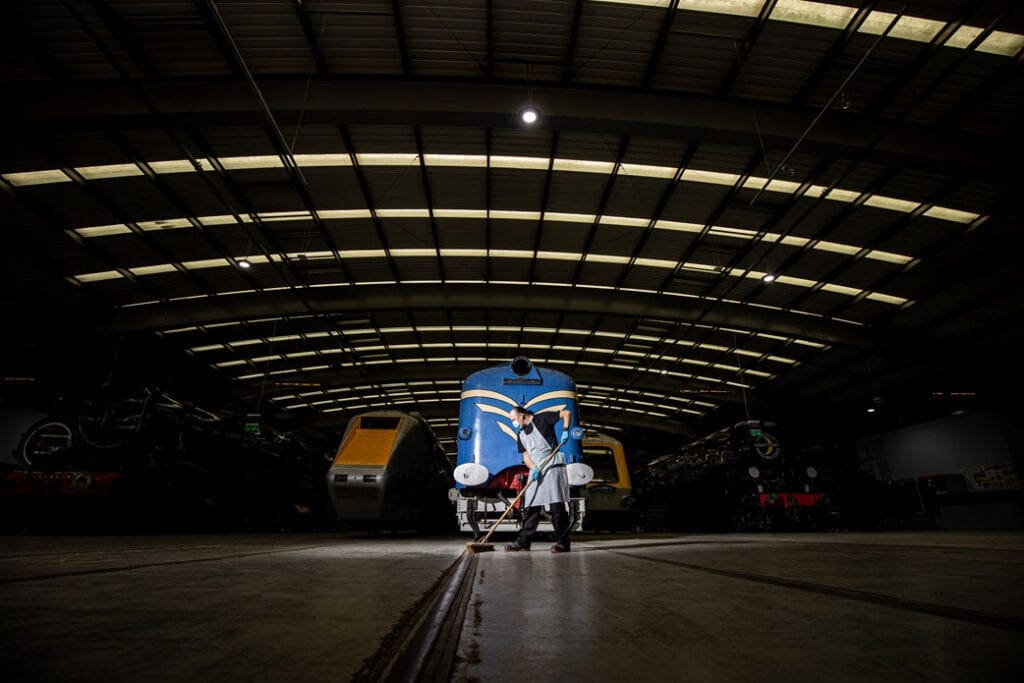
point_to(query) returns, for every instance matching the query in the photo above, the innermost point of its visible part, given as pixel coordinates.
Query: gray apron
(553, 484)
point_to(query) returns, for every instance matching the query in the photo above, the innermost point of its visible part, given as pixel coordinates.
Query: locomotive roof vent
(521, 366)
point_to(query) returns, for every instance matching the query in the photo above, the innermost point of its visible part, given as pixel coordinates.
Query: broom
(482, 546)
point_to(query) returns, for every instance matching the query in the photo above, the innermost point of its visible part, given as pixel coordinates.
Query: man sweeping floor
(536, 441)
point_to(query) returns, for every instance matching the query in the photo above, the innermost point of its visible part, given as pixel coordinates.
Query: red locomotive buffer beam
(24, 483)
(789, 500)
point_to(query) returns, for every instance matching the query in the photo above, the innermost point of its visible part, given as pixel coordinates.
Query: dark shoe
(514, 548)
(559, 548)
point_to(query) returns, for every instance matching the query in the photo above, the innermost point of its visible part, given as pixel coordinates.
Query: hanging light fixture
(529, 115)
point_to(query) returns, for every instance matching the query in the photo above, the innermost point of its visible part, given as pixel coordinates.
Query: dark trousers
(531, 518)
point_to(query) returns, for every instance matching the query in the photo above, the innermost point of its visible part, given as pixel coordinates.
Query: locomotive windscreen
(378, 422)
(602, 461)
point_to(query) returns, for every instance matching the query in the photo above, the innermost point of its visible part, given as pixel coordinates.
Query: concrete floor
(912, 606)
(852, 607)
(256, 608)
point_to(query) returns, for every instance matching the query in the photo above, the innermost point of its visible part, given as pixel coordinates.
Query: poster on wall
(1001, 476)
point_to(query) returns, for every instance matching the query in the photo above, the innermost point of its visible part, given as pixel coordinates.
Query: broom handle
(525, 489)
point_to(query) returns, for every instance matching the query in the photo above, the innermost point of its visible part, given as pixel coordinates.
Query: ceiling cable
(753, 111)
(309, 80)
(287, 158)
(735, 341)
(827, 105)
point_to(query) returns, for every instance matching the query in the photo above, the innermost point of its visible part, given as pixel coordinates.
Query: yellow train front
(390, 473)
(611, 504)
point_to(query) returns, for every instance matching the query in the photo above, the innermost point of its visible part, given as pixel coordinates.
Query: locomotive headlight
(754, 472)
(812, 472)
(471, 474)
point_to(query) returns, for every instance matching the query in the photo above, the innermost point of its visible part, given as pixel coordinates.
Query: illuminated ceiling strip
(513, 283)
(662, 264)
(826, 15)
(689, 175)
(481, 214)
(484, 359)
(678, 402)
(474, 328)
(483, 345)
(383, 404)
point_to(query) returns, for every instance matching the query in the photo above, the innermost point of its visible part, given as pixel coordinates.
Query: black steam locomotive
(738, 478)
(133, 458)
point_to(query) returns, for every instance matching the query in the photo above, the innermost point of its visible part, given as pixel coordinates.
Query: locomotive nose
(521, 366)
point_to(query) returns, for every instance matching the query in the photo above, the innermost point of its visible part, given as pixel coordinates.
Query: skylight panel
(788, 240)
(678, 226)
(244, 163)
(891, 203)
(838, 195)
(225, 219)
(887, 298)
(403, 213)
(153, 270)
(205, 263)
(606, 258)
(659, 263)
(953, 215)
(1002, 43)
(456, 160)
(534, 163)
(464, 253)
(276, 216)
(108, 171)
(888, 257)
(561, 217)
(838, 17)
(583, 166)
(460, 213)
(917, 29)
(648, 171)
(413, 253)
(172, 166)
(314, 160)
(776, 185)
(625, 221)
(711, 177)
(98, 276)
(164, 224)
(837, 248)
(840, 289)
(404, 159)
(343, 214)
(27, 178)
(104, 230)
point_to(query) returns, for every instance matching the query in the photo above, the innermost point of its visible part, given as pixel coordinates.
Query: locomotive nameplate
(521, 380)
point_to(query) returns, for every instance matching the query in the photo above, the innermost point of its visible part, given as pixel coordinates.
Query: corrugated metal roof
(489, 201)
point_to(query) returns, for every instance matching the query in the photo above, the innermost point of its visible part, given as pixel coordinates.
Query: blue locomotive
(489, 466)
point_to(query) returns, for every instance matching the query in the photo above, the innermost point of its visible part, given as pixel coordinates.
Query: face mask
(517, 424)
